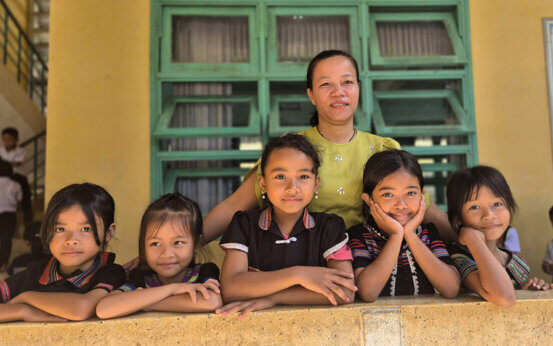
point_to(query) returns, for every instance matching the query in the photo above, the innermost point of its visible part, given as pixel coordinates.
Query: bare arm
(239, 284)
(490, 280)
(24, 312)
(437, 216)
(171, 297)
(217, 220)
(72, 306)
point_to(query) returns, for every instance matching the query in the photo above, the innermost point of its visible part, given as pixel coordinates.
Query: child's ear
(109, 233)
(317, 182)
(262, 185)
(366, 198)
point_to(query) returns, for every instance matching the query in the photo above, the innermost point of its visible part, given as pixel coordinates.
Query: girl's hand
(468, 234)
(327, 281)
(191, 289)
(416, 220)
(385, 221)
(32, 314)
(536, 284)
(245, 307)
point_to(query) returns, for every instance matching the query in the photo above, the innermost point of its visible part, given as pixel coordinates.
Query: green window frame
(458, 57)
(289, 68)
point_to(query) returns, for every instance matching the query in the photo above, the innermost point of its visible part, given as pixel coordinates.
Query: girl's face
(335, 91)
(486, 213)
(169, 251)
(289, 180)
(73, 243)
(399, 195)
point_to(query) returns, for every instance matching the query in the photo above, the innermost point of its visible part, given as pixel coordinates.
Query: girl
(480, 208)
(77, 226)
(280, 255)
(167, 278)
(393, 254)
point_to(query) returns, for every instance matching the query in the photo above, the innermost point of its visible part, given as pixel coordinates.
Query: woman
(333, 88)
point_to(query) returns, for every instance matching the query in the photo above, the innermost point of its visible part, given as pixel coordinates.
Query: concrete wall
(98, 106)
(512, 111)
(389, 321)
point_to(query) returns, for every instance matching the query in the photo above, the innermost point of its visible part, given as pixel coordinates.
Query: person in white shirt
(15, 155)
(10, 195)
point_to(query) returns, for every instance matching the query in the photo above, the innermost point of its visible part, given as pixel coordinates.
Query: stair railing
(20, 56)
(38, 159)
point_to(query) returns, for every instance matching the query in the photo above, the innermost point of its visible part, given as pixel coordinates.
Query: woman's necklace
(349, 140)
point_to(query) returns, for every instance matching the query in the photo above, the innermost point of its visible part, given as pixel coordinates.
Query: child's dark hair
(325, 54)
(551, 214)
(294, 141)
(384, 163)
(6, 169)
(12, 131)
(94, 200)
(464, 183)
(173, 207)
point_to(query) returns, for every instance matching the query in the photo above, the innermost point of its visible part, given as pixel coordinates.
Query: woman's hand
(327, 281)
(384, 221)
(416, 220)
(536, 284)
(130, 265)
(245, 307)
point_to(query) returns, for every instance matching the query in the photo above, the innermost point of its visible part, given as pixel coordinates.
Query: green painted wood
(204, 155)
(458, 58)
(172, 175)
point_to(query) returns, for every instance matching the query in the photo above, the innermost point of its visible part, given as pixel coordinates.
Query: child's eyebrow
(386, 188)
(80, 224)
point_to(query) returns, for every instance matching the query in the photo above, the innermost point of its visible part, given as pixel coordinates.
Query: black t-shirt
(314, 238)
(145, 278)
(407, 278)
(44, 276)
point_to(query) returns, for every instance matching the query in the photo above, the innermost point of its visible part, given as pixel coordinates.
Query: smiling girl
(78, 224)
(285, 254)
(167, 278)
(393, 253)
(480, 207)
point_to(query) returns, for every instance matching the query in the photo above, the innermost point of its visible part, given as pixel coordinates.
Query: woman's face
(335, 91)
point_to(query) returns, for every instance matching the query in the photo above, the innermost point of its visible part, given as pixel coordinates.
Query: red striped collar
(266, 216)
(51, 272)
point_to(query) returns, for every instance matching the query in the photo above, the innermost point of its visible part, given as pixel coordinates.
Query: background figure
(547, 264)
(509, 240)
(32, 239)
(10, 195)
(15, 155)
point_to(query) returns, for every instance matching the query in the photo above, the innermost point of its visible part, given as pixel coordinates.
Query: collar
(266, 216)
(192, 275)
(78, 278)
(371, 226)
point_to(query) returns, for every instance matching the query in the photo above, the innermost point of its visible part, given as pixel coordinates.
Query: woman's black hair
(384, 163)
(465, 185)
(180, 211)
(6, 169)
(94, 200)
(294, 141)
(325, 54)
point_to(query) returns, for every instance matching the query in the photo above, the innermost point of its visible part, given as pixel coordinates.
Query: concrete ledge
(390, 321)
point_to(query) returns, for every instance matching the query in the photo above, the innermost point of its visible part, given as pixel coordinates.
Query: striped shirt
(407, 278)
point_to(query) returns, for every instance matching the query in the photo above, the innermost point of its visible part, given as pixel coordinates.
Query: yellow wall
(98, 116)
(98, 105)
(20, 10)
(512, 111)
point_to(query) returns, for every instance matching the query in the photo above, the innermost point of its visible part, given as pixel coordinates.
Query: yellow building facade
(98, 126)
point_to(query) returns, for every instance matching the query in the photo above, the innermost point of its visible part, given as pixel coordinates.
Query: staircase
(39, 26)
